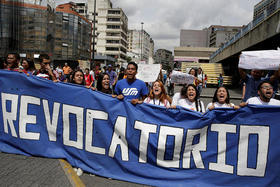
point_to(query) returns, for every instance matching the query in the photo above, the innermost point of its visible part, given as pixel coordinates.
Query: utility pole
(141, 56)
(93, 37)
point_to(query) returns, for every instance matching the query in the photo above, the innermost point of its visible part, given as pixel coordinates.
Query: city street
(36, 171)
(74, 76)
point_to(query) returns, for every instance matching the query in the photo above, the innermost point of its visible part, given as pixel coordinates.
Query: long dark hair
(73, 76)
(31, 65)
(196, 100)
(183, 91)
(195, 74)
(99, 84)
(215, 97)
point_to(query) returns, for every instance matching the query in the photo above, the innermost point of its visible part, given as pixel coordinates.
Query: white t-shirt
(156, 102)
(200, 77)
(176, 98)
(258, 101)
(219, 105)
(191, 105)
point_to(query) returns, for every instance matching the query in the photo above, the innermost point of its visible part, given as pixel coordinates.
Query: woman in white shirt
(221, 99)
(191, 101)
(179, 95)
(158, 96)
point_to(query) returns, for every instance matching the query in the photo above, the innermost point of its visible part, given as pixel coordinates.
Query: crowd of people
(122, 83)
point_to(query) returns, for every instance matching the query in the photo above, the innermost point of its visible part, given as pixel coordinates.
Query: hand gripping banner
(144, 144)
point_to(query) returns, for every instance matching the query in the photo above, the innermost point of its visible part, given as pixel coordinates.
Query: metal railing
(250, 26)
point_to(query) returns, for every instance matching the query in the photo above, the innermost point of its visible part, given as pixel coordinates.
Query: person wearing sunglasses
(45, 71)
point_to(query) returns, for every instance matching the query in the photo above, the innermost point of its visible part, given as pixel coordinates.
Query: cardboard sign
(261, 60)
(178, 77)
(148, 72)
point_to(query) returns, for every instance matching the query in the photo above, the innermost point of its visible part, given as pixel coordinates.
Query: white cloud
(163, 19)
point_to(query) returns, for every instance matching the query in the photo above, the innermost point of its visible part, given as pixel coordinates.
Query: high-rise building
(140, 45)
(193, 38)
(27, 27)
(112, 33)
(264, 7)
(82, 9)
(34, 27)
(92, 15)
(73, 33)
(164, 57)
(214, 36)
(111, 29)
(218, 35)
(152, 51)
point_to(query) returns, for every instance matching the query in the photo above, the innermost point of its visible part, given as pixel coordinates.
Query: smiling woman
(103, 83)
(158, 96)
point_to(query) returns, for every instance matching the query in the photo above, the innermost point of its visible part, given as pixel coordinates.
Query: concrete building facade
(73, 32)
(164, 57)
(193, 38)
(140, 45)
(218, 35)
(111, 33)
(82, 9)
(111, 27)
(214, 36)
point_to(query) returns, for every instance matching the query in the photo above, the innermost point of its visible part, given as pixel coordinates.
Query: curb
(72, 176)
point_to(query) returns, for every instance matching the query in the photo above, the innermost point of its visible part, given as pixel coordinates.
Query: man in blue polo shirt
(132, 88)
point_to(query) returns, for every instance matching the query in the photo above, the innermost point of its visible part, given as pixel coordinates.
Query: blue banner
(144, 144)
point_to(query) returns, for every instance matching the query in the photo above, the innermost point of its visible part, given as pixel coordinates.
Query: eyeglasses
(267, 87)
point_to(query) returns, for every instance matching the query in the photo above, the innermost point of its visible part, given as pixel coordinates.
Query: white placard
(178, 77)
(261, 60)
(148, 72)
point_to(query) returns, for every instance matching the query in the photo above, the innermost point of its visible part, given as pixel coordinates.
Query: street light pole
(141, 57)
(94, 26)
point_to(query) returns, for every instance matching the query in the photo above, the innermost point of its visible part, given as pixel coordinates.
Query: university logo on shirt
(129, 91)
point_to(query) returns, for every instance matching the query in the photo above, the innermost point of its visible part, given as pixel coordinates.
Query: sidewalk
(18, 170)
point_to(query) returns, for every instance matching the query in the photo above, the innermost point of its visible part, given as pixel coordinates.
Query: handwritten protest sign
(148, 72)
(262, 60)
(178, 77)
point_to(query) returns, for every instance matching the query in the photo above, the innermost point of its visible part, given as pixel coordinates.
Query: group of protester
(126, 86)
(258, 90)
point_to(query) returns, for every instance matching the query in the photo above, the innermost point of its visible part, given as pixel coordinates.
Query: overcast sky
(163, 19)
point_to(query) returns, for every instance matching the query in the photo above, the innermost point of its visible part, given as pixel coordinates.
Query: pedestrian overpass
(262, 33)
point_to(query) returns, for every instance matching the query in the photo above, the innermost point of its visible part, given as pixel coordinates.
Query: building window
(113, 27)
(112, 34)
(112, 41)
(114, 19)
(112, 49)
(114, 12)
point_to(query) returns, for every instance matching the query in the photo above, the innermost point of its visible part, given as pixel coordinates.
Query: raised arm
(275, 76)
(242, 73)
